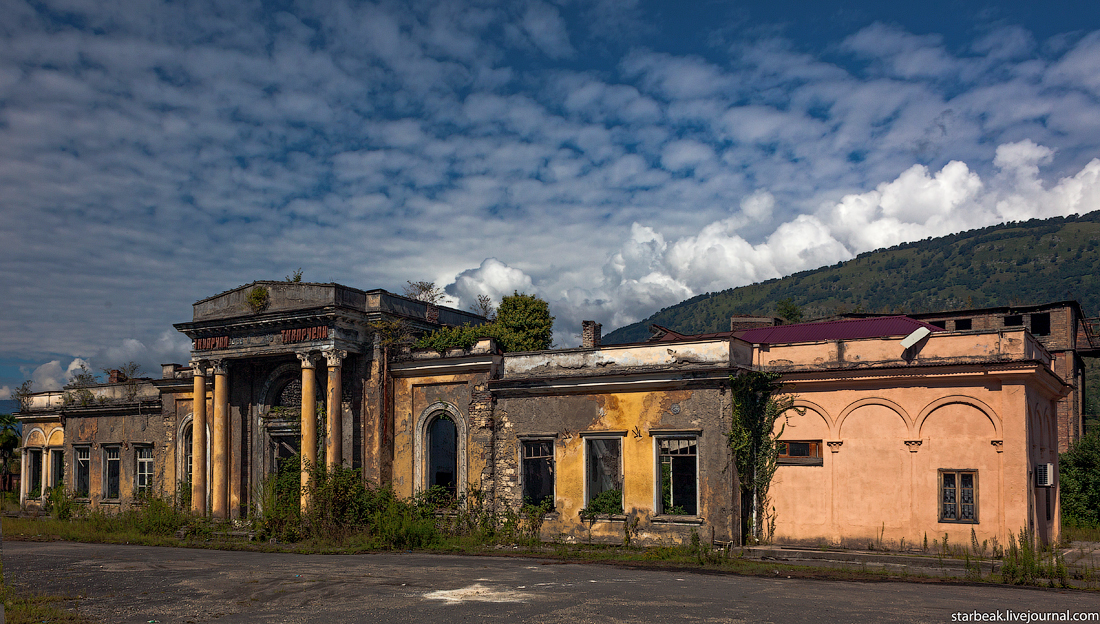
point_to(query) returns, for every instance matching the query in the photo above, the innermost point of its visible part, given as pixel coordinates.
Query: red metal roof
(848, 329)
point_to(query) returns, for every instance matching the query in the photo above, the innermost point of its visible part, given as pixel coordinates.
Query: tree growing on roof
(424, 291)
(522, 323)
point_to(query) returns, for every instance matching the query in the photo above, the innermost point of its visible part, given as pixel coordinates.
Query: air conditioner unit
(1044, 475)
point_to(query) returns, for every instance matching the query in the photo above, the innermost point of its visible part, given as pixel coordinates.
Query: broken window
(604, 475)
(82, 469)
(804, 452)
(144, 469)
(34, 466)
(1014, 320)
(940, 324)
(57, 467)
(111, 472)
(679, 470)
(538, 472)
(1040, 324)
(963, 324)
(959, 496)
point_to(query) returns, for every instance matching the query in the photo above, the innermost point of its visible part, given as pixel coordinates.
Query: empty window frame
(538, 472)
(82, 470)
(959, 496)
(940, 324)
(678, 467)
(799, 452)
(144, 482)
(1014, 320)
(963, 324)
(603, 475)
(112, 472)
(1040, 324)
(34, 468)
(57, 467)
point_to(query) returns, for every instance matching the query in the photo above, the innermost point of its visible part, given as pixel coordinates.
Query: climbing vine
(753, 439)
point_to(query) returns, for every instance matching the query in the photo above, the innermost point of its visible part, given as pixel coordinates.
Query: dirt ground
(114, 583)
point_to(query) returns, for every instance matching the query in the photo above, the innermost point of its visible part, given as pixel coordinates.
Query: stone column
(309, 423)
(219, 451)
(334, 424)
(198, 440)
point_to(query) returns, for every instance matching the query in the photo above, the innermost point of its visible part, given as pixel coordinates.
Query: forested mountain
(1030, 262)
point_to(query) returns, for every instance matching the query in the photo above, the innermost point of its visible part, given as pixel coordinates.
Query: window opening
(34, 464)
(963, 324)
(959, 496)
(1014, 321)
(57, 468)
(605, 483)
(1040, 324)
(679, 472)
(799, 452)
(443, 454)
(111, 472)
(144, 469)
(538, 471)
(940, 324)
(188, 452)
(82, 468)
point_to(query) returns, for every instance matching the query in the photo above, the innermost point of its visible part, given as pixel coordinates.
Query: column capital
(307, 358)
(221, 367)
(335, 357)
(199, 367)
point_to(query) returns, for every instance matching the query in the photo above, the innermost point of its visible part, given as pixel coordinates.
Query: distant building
(953, 432)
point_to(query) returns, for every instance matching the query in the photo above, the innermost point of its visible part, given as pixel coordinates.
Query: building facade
(889, 442)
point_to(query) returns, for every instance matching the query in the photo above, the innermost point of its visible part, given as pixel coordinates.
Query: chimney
(116, 377)
(590, 334)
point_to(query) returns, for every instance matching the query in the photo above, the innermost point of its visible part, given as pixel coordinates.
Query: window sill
(605, 518)
(800, 461)
(959, 522)
(666, 519)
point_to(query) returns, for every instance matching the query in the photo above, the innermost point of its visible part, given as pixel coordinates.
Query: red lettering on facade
(213, 342)
(303, 334)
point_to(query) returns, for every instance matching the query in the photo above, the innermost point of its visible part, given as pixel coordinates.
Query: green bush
(606, 502)
(1079, 480)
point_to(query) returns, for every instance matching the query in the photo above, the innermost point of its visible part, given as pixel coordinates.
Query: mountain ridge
(1009, 264)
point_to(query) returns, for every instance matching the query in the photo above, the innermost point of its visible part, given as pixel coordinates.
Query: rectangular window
(34, 480)
(57, 467)
(1040, 324)
(800, 452)
(538, 472)
(959, 496)
(604, 475)
(1014, 321)
(144, 469)
(83, 471)
(679, 470)
(940, 324)
(112, 466)
(963, 324)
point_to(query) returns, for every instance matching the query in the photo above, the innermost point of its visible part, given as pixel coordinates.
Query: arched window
(443, 454)
(187, 451)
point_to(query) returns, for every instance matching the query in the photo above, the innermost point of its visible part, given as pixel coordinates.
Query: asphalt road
(146, 584)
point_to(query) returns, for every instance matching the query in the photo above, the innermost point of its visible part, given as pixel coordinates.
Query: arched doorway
(443, 454)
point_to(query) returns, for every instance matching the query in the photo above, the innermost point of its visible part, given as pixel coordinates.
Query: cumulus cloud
(50, 376)
(493, 279)
(151, 157)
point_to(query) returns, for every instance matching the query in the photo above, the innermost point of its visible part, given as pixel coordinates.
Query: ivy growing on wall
(752, 437)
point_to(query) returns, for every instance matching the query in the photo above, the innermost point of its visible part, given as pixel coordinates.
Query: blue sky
(611, 157)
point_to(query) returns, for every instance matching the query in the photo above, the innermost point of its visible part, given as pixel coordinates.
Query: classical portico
(285, 367)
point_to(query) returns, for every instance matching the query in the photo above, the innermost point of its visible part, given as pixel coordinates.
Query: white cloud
(493, 278)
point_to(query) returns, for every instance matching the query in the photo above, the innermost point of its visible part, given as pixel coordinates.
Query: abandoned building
(904, 428)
